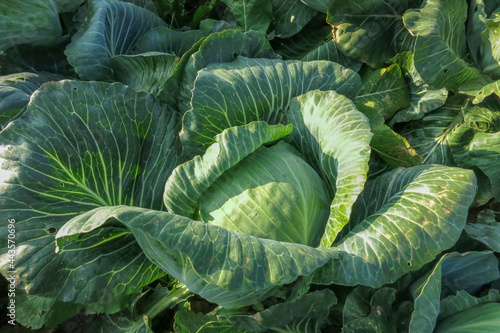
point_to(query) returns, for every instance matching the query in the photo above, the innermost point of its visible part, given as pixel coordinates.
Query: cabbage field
(250, 166)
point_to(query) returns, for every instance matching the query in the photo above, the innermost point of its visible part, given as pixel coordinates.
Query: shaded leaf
(97, 41)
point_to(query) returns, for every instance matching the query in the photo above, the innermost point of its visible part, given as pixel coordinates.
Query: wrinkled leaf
(112, 29)
(247, 90)
(441, 45)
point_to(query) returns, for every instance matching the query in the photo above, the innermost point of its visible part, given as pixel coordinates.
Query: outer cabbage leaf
(221, 47)
(481, 318)
(305, 41)
(144, 72)
(112, 29)
(479, 11)
(368, 310)
(16, 90)
(251, 14)
(485, 154)
(37, 58)
(480, 88)
(166, 40)
(290, 16)
(227, 268)
(423, 99)
(401, 221)
(463, 301)
(137, 316)
(247, 90)
(383, 90)
(305, 314)
(440, 48)
(234, 269)
(334, 138)
(78, 146)
(364, 31)
(329, 51)
(486, 230)
(458, 270)
(28, 21)
(432, 135)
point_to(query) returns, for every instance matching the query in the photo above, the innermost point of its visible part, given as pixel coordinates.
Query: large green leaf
(486, 230)
(251, 14)
(401, 221)
(137, 317)
(112, 28)
(312, 36)
(227, 268)
(479, 11)
(146, 71)
(463, 301)
(423, 99)
(247, 90)
(480, 88)
(290, 16)
(334, 137)
(329, 51)
(481, 121)
(182, 196)
(431, 136)
(485, 153)
(28, 21)
(37, 58)
(370, 311)
(393, 148)
(49, 311)
(305, 314)
(366, 30)
(478, 319)
(459, 271)
(78, 146)
(166, 40)
(440, 48)
(16, 90)
(384, 90)
(221, 47)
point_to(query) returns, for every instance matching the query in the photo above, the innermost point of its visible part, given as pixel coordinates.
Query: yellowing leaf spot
(370, 104)
(425, 222)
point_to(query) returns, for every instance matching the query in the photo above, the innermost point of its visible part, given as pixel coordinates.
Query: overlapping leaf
(78, 146)
(182, 196)
(401, 221)
(334, 137)
(30, 21)
(230, 269)
(16, 90)
(364, 31)
(112, 29)
(440, 48)
(247, 90)
(218, 48)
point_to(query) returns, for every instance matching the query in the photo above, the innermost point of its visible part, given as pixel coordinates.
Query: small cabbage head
(272, 193)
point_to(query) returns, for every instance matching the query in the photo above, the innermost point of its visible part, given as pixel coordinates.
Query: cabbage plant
(272, 168)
